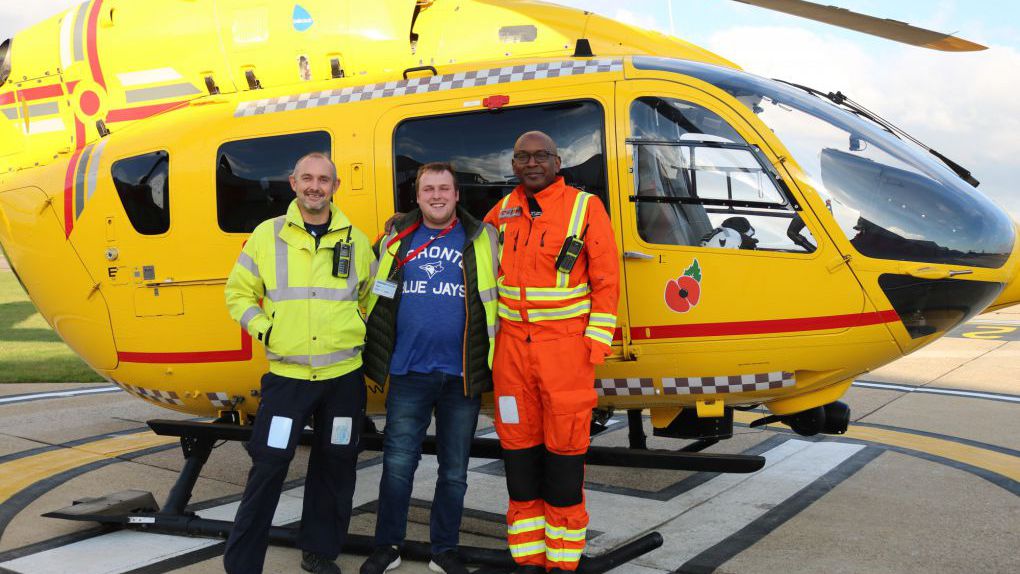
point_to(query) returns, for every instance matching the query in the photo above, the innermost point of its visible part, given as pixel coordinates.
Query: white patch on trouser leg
(341, 430)
(508, 410)
(279, 432)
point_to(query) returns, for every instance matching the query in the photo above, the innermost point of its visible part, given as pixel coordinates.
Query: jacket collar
(472, 227)
(337, 219)
(553, 191)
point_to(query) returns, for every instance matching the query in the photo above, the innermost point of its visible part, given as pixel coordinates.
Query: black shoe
(447, 563)
(318, 564)
(529, 569)
(383, 559)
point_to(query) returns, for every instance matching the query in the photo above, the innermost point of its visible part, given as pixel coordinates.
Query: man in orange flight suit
(557, 323)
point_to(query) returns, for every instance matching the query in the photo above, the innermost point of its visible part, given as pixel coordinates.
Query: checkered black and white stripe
(165, 397)
(624, 387)
(470, 79)
(728, 384)
(220, 400)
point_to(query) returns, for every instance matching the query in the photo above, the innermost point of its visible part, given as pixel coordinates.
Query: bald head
(541, 138)
(536, 161)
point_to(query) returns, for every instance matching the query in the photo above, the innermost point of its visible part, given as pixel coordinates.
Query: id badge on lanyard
(388, 288)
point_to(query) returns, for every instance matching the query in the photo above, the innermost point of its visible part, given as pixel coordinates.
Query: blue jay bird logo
(432, 267)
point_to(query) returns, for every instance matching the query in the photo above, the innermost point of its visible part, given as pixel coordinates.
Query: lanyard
(414, 253)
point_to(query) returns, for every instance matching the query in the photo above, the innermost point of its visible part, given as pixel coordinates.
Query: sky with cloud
(966, 105)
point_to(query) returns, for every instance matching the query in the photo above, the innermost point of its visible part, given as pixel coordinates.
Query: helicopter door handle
(637, 255)
(933, 273)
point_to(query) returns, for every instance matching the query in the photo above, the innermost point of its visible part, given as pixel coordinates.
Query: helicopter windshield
(892, 199)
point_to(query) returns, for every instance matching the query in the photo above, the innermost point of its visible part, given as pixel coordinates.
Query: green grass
(30, 352)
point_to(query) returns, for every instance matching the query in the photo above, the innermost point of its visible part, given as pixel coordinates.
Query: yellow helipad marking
(999, 463)
(24, 472)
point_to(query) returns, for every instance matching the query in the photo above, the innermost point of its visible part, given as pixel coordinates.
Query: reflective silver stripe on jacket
(249, 314)
(284, 292)
(316, 360)
(281, 253)
(308, 293)
(489, 295)
(494, 250)
(559, 293)
(245, 260)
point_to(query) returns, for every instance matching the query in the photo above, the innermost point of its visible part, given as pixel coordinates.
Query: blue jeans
(409, 405)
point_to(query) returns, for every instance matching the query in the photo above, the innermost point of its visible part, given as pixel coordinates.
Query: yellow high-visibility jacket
(314, 322)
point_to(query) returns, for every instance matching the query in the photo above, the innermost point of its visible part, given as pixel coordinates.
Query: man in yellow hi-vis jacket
(299, 286)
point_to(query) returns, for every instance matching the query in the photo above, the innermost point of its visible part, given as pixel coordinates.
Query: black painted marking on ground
(1004, 482)
(56, 542)
(711, 559)
(185, 560)
(21, 499)
(997, 479)
(70, 444)
(947, 438)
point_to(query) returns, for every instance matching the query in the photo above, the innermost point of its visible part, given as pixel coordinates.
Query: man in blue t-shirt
(429, 338)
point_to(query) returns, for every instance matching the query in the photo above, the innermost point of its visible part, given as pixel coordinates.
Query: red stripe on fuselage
(141, 112)
(69, 193)
(7, 99)
(41, 92)
(767, 327)
(242, 354)
(92, 44)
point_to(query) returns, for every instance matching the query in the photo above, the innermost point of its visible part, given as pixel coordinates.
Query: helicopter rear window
(253, 177)
(480, 146)
(143, 184)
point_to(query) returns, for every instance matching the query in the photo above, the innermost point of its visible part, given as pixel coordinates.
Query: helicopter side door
(725, 273)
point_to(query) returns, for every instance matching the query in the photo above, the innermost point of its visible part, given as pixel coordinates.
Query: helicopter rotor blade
(882, 27)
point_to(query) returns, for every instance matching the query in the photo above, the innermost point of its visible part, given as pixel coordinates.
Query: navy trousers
(337, 407)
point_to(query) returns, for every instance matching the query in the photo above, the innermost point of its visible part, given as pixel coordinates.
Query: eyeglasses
(542, 156)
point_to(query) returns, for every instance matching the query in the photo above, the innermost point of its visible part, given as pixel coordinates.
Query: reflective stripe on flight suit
(557, 324)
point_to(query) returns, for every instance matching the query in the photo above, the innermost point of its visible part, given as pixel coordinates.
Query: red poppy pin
(683, 293)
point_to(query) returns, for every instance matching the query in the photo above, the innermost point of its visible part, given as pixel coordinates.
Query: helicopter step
(135, 509)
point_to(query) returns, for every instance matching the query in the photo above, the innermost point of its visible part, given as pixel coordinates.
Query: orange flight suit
(554, 329)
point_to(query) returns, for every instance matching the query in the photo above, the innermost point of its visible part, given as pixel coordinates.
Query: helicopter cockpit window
(480, 146)
(891, 198)
(697, 182)
(143, 184)
(253, 177)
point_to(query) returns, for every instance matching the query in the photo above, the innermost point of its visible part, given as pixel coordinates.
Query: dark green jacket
(382, 323)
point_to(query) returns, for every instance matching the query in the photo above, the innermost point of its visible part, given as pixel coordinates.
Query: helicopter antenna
(841, 99)
(672, 29)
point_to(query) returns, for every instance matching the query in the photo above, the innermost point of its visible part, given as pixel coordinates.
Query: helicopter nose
(1011, 294)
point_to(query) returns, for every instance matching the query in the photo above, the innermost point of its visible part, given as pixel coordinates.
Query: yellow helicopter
(777, 242)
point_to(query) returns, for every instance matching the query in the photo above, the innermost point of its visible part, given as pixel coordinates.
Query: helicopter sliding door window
(699, 183)
(253, 177)
(480, 145)
(143, 184)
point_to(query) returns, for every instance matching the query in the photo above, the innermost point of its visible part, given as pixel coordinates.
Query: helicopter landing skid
(138, 510)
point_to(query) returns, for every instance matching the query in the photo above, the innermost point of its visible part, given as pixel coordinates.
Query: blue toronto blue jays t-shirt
(431, 313)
